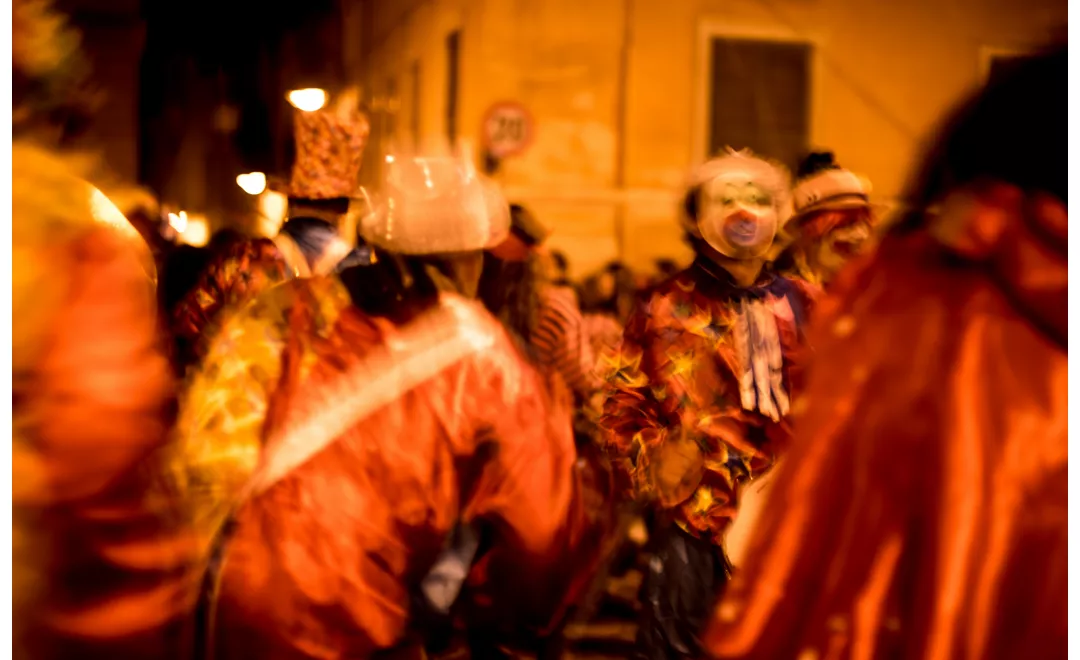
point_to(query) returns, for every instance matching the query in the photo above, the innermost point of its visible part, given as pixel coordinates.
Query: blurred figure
(379, 438)
(923, 511)
(330, 145)
(560, 268)
(542, 315)
(665, 268)
(607, 299)
(699, 388)
(602, 330)
(612, 291)
(224, 238)
(181, 270)
(108, 214)
(144, 212)
(97, 569)
(833, 220)
(229, 278)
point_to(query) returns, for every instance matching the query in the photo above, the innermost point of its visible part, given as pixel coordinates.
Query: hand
(675, 469)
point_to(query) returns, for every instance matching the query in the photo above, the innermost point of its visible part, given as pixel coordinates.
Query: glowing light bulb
(253, 183)
(273, 207)
(197, 232)
(308, 100)
(178, 221)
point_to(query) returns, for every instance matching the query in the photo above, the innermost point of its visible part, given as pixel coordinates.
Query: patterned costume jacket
(677, 374)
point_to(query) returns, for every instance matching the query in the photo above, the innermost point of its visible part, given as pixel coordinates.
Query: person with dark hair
(922, 512)
(611, 291)
(224, 238)
(543, 316)
(330, 145)
(699, 390)
(665, 268)
(560, 268)
(513, 275)
(833, 221)
(383, 456)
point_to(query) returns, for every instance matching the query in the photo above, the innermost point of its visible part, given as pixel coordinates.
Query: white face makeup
(738, 216)
(841, 245)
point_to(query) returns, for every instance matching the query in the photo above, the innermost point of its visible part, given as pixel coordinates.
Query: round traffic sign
(507, 130)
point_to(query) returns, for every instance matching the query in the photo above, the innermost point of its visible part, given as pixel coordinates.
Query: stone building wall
(619, 92)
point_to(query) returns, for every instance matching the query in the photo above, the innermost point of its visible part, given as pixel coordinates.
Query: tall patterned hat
(329, 149)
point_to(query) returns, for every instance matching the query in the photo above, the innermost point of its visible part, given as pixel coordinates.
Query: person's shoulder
(250, 252)
(678, 288)
(910, 290)
(454, 316)
(466, 328)
(557, 295)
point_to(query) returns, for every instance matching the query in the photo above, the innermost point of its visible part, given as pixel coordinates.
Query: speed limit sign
(507, 130)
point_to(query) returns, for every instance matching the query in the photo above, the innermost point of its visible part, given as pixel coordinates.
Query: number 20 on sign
(508, 129)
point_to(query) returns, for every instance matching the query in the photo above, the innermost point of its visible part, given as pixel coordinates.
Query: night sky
(216, 73)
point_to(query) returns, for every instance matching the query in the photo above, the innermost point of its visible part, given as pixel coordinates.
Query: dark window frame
(784, 77)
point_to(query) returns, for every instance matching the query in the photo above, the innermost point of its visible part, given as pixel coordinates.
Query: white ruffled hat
(831, 189)
(434, 205)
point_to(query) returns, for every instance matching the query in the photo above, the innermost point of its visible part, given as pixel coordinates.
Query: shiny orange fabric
(323, 564)
(922, 511)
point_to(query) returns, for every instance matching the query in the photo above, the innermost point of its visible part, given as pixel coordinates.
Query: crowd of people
(398, 429)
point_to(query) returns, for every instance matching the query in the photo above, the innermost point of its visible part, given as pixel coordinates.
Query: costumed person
(98, 567)
(141, 211)
(558, 266)
(378, 437)
(699, 389)
(543, 316)
(607, 299)
(540, 310)
(833, 221)
(922, 511)
(313, 240)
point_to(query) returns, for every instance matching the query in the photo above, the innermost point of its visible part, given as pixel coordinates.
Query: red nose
(740, 216)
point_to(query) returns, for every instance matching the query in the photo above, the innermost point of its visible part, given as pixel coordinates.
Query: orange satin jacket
(324, 562)
(922, 511)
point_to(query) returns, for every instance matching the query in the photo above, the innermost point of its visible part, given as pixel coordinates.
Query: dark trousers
(684, 578)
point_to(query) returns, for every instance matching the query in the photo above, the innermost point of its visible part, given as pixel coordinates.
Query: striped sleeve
(560, 342)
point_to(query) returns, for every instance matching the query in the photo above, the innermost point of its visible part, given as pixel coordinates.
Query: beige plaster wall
(883, 74)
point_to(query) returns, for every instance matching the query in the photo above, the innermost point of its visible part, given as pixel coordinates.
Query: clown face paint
(738, 216)
(847, 240)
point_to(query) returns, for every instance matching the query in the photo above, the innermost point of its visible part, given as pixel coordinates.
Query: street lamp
(197, 232)
(253, 183)
(178, 221)
(308, 100)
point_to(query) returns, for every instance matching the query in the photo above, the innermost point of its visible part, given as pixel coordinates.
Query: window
(453, 63)
(759, 97)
